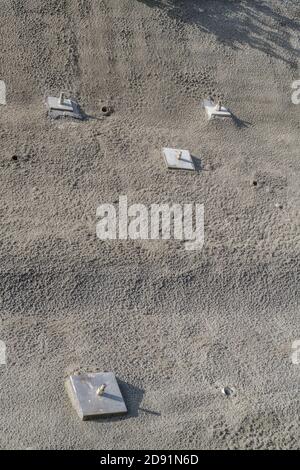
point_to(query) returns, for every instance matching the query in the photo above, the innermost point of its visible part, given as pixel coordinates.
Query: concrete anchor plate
(63, 108)
(2, 92)
(95, 395)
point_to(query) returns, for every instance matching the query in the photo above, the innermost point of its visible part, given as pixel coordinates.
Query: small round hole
(254, 183)
(14, 157)
(104, 109)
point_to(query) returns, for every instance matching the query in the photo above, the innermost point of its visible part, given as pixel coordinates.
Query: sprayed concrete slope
(175, 326)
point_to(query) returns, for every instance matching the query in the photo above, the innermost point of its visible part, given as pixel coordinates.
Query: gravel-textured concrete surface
(175, 326)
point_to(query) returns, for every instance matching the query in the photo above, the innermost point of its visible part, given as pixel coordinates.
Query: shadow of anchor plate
(82, 390)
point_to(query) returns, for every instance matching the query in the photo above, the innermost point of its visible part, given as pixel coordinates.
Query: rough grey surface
(175, 326)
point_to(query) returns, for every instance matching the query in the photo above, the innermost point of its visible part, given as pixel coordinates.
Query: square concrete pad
(185, 162)
(82, 390)
(53, 103)
(211, 110)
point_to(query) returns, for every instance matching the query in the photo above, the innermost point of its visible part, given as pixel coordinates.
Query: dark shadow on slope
(133, 397)
(238, 23)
